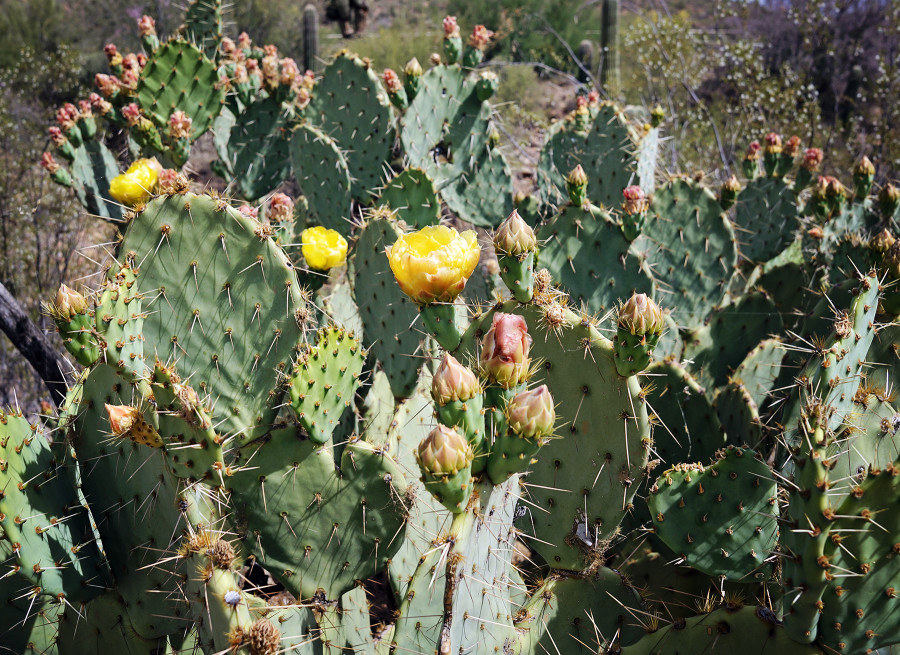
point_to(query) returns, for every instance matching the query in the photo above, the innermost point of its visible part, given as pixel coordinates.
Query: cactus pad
(178, 76)
(722, 519)
(322, 172)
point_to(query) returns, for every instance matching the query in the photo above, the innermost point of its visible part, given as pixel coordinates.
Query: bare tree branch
(33, 345)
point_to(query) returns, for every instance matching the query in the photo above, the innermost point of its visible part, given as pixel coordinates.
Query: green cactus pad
(178, 76)
(832, 373)
(719, 347)
(220, 299)
(760, 369)
(386, 311)
(585, 478)
(93, 169)
(585, 248)
(869, 437)
(860, 602)
(259, 150)
(325, 378)
(203, 25)
(102, 626)
(605, 151)
(473, 558)
(322, 172)
(483, 194)
(690, 249)
(46, 533)
(315, 528)
(686, 427)
(581, 616)
(750, 629)
(445, 132)
(119, 318)
(26, 627)
(411, 194)
(427, 518)
(136, 528)
(765, 218)
(350, 105)
(721, 519)
(739, 414)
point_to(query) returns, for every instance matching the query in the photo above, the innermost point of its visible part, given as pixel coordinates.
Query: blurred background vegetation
(726, 72)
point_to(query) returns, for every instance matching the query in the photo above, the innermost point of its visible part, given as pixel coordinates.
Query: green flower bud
(530, 414)
(514, 236)
(576, 185)
(641, 316)
(888, 200)
(453, 382)
(444, 452)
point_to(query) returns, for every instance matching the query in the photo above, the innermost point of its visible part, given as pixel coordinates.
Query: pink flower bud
(130, 62)
(228, 47)
(244, 41)
(480, 37)
(132, 113)
(391, 81)
(753, 151)
(281, 208)
(453, 382)
(634, 200)
(141, 60)
(84, 109)
(56, 136)
(109, 85)
(812, 159)
(100, 105)
(290, 72)
(49, 163)
(67, 115)
(247, 210)
(505, 349)
(146, 26)
(531, 414)
(270, 70)
(130, 79)
(270, 50)
(581, 102)
(792, 146)
(451, 29)
(593, 98)
(180, 125)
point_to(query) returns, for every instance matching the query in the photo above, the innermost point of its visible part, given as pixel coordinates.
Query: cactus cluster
(661, 421)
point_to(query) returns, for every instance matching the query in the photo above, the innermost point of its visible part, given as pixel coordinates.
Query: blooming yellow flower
(322, 248)
(434, 263)
(137, 183)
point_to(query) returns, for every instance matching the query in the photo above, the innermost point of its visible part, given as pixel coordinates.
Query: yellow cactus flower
(323, 249)
(136, 184)
(434, 263)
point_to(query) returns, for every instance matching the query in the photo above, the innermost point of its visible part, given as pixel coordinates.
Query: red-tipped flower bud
(514, 236)
(773, 143)
(531, 414)
(505, 349)
(634, 200)
(453, 382)
(49, 163)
